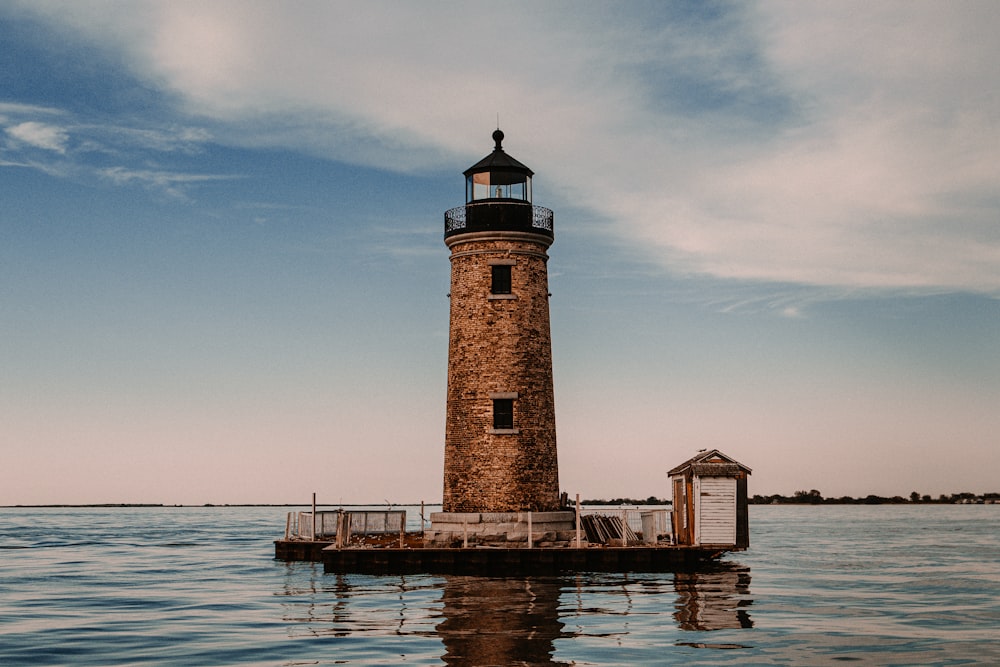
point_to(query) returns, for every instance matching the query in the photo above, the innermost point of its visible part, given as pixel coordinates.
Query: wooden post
(402, 529)
(421, 518)
(314, 517)
(578, 521)
(529, 529)
(288, 524)
(465, 533)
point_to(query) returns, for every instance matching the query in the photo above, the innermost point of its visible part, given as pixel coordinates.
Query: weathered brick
(500, 345)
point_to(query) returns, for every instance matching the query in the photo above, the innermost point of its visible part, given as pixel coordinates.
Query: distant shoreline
(800, 498)
(164, 505)
(814, 497)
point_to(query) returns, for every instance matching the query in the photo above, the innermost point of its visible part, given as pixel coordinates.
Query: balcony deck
(499, 215)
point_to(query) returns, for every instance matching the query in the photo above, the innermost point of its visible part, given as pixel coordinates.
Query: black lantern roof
(499, 161)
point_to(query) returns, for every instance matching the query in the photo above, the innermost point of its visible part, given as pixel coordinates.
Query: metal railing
(499, 216)
(301, 526)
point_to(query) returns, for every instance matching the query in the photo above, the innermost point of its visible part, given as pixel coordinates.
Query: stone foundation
(548, 529)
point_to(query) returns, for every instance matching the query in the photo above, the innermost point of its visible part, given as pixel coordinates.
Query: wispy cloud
(40, 135)
(170, 183)
(17, 108)
(852, 145)
(189, 140)
(66, 148)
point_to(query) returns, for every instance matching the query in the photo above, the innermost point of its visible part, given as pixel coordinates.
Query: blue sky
(222, 274)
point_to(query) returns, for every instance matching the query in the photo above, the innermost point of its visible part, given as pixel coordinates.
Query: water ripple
(822, 585)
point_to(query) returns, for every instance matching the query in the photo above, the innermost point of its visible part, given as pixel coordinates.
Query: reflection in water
(500, 621)
(339, 605)
(513, 621)
(713, 600)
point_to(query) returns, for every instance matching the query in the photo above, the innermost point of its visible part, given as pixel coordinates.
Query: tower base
(500, 529)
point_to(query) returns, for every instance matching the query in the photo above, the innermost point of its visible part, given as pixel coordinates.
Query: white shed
(710, 501)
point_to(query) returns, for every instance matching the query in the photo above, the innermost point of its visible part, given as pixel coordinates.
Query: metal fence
(300, 525)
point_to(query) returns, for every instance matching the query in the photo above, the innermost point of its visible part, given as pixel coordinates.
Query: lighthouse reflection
(517, 621)
(500, 621)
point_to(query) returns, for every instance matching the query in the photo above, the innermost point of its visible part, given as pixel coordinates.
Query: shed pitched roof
(711, 461)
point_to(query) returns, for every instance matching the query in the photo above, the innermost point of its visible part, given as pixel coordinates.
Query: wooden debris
(602, 529)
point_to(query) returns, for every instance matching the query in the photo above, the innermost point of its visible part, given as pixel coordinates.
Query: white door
(716, 510)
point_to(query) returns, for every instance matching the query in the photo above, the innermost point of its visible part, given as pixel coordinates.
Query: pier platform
(497, 561)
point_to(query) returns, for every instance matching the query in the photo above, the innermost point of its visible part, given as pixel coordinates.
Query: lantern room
(498, 199)
(498, 176)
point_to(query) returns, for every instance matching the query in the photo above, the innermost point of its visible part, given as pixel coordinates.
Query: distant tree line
(652, 500)
(814, 497)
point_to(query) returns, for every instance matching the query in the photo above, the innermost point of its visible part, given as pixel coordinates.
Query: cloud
(189, 140)
(850, 145)
(170, 183)
(40, 135)
(16, 108)
(70, 147)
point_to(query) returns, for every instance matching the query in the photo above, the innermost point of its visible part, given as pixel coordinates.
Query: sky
(223, 276)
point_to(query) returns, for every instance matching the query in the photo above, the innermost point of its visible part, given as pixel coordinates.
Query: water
(870, 585)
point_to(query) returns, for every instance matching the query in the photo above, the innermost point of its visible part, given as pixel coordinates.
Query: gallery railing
(499, 215)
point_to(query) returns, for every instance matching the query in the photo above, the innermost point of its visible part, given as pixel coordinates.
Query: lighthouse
(502, 510)
(500, 434)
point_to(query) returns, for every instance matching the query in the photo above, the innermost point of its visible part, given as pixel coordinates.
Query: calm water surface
(872, 585)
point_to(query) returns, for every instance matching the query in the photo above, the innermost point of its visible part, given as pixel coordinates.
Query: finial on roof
(498, 137)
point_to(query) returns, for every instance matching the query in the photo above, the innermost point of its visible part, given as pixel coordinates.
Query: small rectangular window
(503, 413)
(501, 279)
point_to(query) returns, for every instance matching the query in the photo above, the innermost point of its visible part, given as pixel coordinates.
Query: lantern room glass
(498, 185)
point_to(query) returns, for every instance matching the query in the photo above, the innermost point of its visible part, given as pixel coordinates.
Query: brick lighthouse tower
(500, 440)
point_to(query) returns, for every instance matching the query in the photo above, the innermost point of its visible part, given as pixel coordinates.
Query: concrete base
(449, 529)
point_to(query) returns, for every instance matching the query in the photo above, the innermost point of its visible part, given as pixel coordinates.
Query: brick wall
(500, 346)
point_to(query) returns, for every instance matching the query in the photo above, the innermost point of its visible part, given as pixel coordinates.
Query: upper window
(501, 279)
(503, 413)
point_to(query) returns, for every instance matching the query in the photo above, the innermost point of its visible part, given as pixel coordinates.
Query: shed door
(716, 510)
(679, 513)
